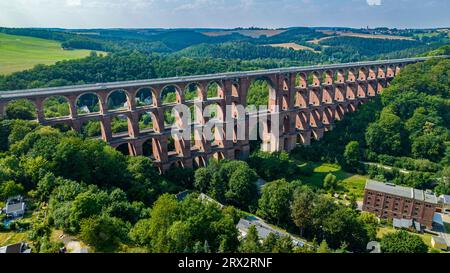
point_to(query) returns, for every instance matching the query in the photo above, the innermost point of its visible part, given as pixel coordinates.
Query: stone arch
(327, 94)
(215, 111)
(315, 119)
(285, 84)
(148, 148)
(351, 108)
(88, 103)
(300, 139)
(172, 146)
(219, 156)
(145, 96)
(171, 94)
(194, 92)
(362, 89)
(328, 77)
(301, 99)
(301, 80)
(339, 93)
(328, 115)
(316, 135)
(302, 121)
(91, 128)
(339, 112)
(390, 71)
(351, 74)
(235, 89)
(340, 76)
(362, 73)
(118, 99)
(200, 162)
(315, 96)
(381, 72)
(125, 149)
(215, 89)
(351, 92)
(147, 121)
(398, 68)
(315, 78)
(285, 101)
(56, 107)
(372, 73)
(261, 92)
(372, 89)
(120, 125)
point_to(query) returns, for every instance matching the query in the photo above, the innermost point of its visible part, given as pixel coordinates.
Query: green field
(348, 183)
(18, 53)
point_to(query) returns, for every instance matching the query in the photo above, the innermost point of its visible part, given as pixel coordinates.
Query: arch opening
(91, 129)
(147, 148)
(144, 97)
(88, 103)
(56, 107)
(146, 122)
(170, 94)
(118, 101)
(193, 92)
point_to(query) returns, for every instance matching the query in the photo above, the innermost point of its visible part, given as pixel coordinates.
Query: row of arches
(328, 77)
(259, 91)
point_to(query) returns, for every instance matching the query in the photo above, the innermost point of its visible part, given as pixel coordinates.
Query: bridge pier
(303, 104)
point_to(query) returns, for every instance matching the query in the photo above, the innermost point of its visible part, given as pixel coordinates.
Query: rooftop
(15, 207)
(402, 191)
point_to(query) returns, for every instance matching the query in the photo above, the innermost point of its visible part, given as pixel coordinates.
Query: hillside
(19, 53)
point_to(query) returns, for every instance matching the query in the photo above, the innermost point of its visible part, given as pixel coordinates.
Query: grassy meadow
(19, 53)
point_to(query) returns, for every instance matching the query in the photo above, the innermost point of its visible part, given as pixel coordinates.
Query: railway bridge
(307, 102)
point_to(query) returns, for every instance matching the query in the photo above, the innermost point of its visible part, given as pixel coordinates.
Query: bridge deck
(7, 95)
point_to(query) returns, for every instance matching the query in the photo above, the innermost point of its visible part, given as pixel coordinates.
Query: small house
(15, 207)
(15, 248)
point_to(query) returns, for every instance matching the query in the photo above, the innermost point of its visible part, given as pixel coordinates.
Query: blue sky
(224, 13)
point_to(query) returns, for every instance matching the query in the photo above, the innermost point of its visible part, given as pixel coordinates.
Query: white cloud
(374, 2)
(73, 3)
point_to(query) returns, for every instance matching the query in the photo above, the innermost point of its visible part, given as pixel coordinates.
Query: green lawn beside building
(348, 183)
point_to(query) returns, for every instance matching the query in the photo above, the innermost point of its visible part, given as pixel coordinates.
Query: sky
(224, 13)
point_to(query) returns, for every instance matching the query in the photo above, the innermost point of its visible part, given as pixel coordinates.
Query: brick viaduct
(309, 99)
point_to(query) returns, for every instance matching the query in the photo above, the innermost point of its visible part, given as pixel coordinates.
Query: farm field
(294, 46)
(247, 32)
(359, 35)
(19, 53)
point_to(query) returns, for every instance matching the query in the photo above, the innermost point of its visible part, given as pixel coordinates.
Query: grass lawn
(349, 183)
(426, 238)
(18, 53)
(11, 237)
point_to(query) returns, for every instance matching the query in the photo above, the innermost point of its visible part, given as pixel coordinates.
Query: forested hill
(248, 51)
(123, 66)
(408, 127)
